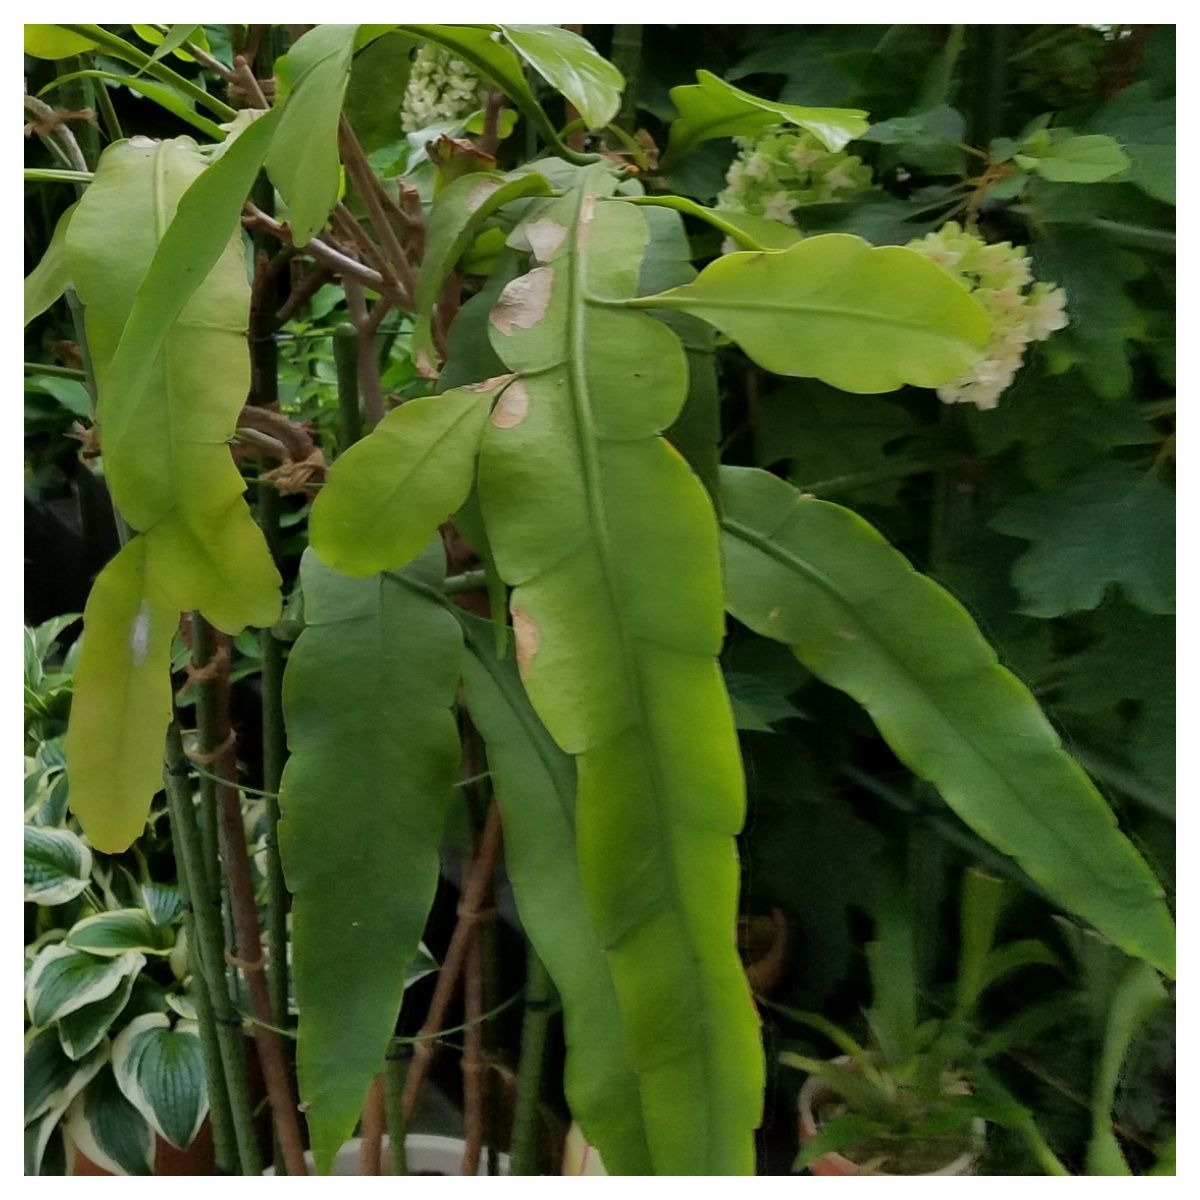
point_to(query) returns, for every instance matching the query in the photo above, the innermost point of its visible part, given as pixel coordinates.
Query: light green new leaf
(818, 578)
(534, 783)
(1085, 159)
(454, 220)
(610, 543)
(122, 702)
(57, 865)
(160, 1070)
(54, 42)
(386, 496)
(156, 253)
(712, 108)
(62, 980)
(162, 95)
(750, 231)
(81, 1031)
(52, 1080)
(109, 934)
(109, 1130)
(571, 66)
(48, 280)
(862, 318)
(367, 699)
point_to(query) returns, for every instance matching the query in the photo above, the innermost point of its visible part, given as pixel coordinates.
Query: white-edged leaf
(52, 1080)
(163, 902)
(109, 1130)
(58, 865)
(181, 1004)
(110, 934)
(63, 979)
(161, 1072)
(81, 1031)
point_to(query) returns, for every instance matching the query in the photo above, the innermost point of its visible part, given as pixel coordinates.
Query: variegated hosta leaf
(160, 1070)
(169, 397)
(367, 698)
(81, 1031)
(163, 902)
(122, 702)
(52, 1080)
(109, 934)
(611, 545)
(63, 979)
(386, 496)
(109, 1130)
(45, 1155)
(860, 317)
(534, 783)
(58, 865)
(817, 577)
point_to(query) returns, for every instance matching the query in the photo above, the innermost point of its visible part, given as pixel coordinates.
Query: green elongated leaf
(54, 42)
(81, 1031)
(122, 702)
(458, 212)
(862, 318)
(52, 1080)
(161, 94)
(569, 64)
(156, 252)
(475, 45)
(165, 43)
(818, 578)
(1089, 158)
(835, 1134)
(712, 108)
(48, 280)
(386, 496)
(1112, 525)
(51, 175)
(62, 980)
(1139, 993)
(751, 232)
(367, 699)
(610, 543)
(109, 1130)
(109, 934)
(160, 1071)
(57, 865)
(534, 784)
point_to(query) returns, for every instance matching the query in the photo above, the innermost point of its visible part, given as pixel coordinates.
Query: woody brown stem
(373, 1122)
(472, 1059)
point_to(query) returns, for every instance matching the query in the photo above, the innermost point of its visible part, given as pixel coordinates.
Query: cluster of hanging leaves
(558, 437)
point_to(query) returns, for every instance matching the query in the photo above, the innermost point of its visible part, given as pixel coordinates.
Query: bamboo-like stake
(207, 941)
(526, 1127)
(218, 750)
(373, 1123)
(397, 1127)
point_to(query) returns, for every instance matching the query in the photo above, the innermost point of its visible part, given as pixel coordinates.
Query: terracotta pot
(816, 1092)
(428, 1154)
(197, 1159)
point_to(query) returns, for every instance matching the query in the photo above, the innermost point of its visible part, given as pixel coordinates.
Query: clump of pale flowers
(1022, 311)
(440, 88)
(784, 169)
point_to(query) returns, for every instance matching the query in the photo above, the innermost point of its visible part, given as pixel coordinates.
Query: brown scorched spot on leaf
(524, 302)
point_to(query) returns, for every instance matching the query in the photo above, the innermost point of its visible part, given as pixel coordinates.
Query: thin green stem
(397, 1130)
(58, 372)
(345, 357)
(209, 946)
(539, 994)
(108, 114)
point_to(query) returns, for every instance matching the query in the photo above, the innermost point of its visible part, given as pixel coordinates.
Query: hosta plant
(527, 389)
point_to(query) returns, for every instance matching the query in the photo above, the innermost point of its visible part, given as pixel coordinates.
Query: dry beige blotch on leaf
(545, 237)
(523, 302)
(480, 192)
(512, 407)
(525, 631)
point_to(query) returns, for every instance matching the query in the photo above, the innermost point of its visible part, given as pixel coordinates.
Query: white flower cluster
(440, 88)
(785, 168)
(997, 276)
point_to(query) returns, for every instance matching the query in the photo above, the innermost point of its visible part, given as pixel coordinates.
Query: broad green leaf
(55, 42)
(818, 578)
(712, 108)
(62, 980)
(57, 865)
(1085, 159)
(1145, 128)
(160, 1071)
(751, 232)
(303, 161)
(109, 1130)
(610, 543)
(109, 934)
(122, 702)
(374, 753)
(81, 1031)
(534, 783)
(1139, 993)
(162, 95)
(860, 317)
(386, 496)
(156, 252)
(52, 1080)
(458, 212)
(1113, 525)
(48, 280)
(571, 66)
